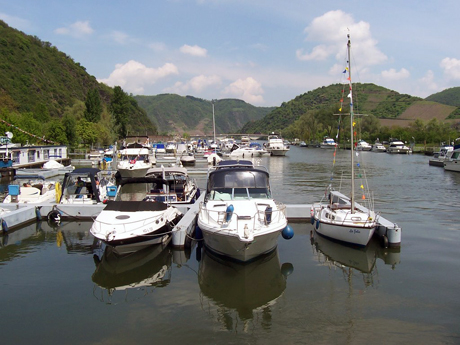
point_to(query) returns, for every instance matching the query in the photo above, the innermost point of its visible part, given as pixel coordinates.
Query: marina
(319, 290)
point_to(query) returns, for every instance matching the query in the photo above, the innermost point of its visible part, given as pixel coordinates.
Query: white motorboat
(439, 157)
(84, 186)
(397, 146)
(341, 218)
(239, 219)
(135, 159)
(31, 189)
(452, 163)
(328, 143)
(245, 152)
(362, 145)
(179, 187)
(378, 147)
(133, 220)
(51, 168)
(276, 145)
(187, 158)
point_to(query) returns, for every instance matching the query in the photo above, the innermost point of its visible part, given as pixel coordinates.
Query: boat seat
(30, 191)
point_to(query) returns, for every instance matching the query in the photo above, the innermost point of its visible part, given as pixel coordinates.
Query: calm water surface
(54, 290)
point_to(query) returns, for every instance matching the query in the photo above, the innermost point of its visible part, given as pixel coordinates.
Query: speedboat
(378, 147)
(187, 158)
(135, 160)
(31, 189)
(328, 143)
(239, 218)
(276, 145)
(362, 145)
(397, 146)
(179, 188)
(439, 157)
(92, 190)
(132, 221)
(51, 168)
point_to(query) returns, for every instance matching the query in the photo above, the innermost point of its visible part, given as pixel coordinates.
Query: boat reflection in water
(243, 292)
(74, 236)
(352, 259)
(141, 271)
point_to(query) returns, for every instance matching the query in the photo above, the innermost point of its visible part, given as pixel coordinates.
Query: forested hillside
(177, 114)
(40, 85)
(370, 98)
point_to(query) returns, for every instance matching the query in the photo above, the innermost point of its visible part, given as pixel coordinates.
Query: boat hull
(231, 246)
(452, 165)
(129, 226)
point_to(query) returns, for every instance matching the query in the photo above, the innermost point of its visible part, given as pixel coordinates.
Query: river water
(55, 290)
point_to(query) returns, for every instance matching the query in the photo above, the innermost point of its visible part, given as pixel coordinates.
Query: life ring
(58, 189)
(54, 217)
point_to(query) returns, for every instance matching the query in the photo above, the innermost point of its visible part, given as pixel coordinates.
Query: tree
(93, 105)
(119, 106)
(56, 132)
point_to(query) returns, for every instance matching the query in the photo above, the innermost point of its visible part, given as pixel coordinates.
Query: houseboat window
(38, 155)
(31, 156)
(16, 156)
(46, 154)
(60, 153)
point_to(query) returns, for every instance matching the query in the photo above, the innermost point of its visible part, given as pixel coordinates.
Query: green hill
(385, 104)
(36, 75)
(177, 114)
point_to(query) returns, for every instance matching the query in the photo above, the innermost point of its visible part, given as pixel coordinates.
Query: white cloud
(428, 81)
(330, 29)
(392, 74)
(196, 84)
(451, 67)
(193, 50)
(247, 89)
(77, 29)
(134, 76)
(119, 37)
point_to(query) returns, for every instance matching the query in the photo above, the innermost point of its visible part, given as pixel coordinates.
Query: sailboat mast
(352, 195)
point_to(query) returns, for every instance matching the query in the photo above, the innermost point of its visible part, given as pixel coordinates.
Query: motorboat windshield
(230, 184)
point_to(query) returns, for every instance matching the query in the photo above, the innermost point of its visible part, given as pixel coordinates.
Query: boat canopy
(237, 178)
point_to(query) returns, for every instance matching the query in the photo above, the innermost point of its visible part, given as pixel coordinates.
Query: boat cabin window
(234, 184)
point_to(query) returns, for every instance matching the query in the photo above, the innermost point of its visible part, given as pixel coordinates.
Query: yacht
(452, 163)
(276, 146)
(328, 143)
(239, 219)
(362, 145)
(397, 146)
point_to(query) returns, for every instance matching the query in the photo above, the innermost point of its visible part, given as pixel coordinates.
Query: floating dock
(16, 215)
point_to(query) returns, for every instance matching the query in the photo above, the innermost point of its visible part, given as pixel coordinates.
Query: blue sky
(262, 51)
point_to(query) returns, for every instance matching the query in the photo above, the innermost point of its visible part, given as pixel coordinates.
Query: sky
(264, 52)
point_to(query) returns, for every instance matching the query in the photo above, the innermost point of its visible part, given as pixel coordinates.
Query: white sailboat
(341, 218)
